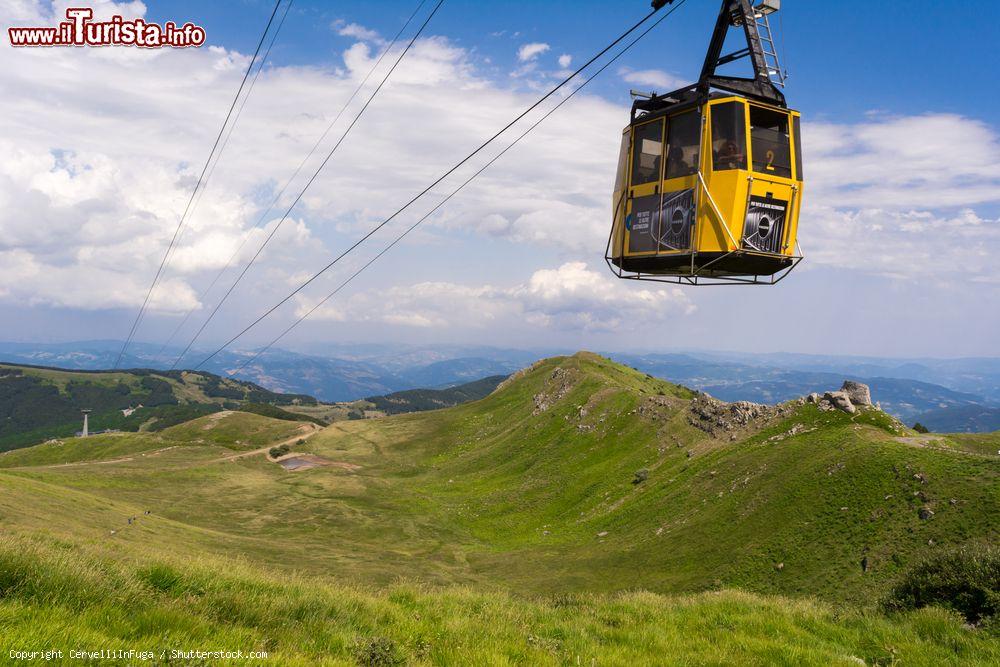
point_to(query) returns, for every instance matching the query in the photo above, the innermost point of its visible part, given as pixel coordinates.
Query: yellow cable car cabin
(709, 184)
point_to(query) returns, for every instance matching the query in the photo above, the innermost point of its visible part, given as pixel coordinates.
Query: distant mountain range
(344, 373)
(943, 394)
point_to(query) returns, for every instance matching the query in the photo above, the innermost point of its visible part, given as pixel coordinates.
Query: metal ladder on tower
(761, 12)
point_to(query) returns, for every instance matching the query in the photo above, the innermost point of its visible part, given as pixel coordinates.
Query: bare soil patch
(295, 462)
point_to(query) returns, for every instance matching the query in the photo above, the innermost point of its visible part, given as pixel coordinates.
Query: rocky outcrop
(716, 417)
(852, 396)
(860, 394)
(559, 383)
(840, 400)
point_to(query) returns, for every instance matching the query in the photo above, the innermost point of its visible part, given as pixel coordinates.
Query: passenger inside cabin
(729, 156)
(653, 174)
(676, 164)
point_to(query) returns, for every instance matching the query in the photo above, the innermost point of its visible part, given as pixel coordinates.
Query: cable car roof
(759, 88)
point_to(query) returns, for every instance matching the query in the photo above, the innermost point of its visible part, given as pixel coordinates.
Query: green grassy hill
(38, 403)
(577, 479)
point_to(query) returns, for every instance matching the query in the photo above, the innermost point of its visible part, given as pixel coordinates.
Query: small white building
(127, 412)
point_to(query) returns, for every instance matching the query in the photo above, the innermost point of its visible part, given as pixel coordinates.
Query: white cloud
(928, 161)
(661, 81)
(565, 60)
(905, 245)
(354, 30)
(97, 288)
(531, 51)
(895, 197)
(571, 297)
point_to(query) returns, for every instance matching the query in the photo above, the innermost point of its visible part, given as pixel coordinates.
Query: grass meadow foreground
(56, 594)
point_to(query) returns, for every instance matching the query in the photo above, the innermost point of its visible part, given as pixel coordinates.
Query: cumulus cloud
(571, 297)
(895, 197)
(661, 81)
(531, 51)
(565, 60)
(905, 245)
(354, 30)
(928, 161)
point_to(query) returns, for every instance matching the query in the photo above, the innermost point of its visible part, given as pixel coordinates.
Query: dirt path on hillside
(121, 459)
(306, 431)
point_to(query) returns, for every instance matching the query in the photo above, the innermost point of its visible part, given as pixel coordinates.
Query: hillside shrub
(377, 652)
(920, 428)
(161, 577)
(966, 580)
(281, 450)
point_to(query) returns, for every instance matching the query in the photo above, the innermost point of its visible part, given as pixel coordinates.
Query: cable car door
(642, 221)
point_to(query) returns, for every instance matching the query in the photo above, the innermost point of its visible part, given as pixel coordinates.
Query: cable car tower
(709, 182)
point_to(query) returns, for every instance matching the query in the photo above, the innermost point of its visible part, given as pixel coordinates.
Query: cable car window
(647, 153)
(798, 148)
(729, 136)
(623, 160)
(683, 139)
(769, 140)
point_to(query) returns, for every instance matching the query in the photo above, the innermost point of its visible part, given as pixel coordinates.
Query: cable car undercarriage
(709, 183)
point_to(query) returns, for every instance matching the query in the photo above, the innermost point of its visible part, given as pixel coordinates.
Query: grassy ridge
(773, 512)
(102, 447)
(235, 430)
(274, 412)
(57, 594)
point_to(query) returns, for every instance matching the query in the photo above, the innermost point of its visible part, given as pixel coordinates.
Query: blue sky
(902, 160)
(846, 58)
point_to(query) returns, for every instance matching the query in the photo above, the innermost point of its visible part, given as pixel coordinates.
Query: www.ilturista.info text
(81, 30)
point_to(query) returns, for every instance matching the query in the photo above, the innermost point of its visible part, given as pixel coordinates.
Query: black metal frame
(733, 14)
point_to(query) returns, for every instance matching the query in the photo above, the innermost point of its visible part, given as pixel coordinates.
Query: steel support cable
(423, 192)
(288, 182)
(180, 223)
(236, 120)
(211, 172)
(312, 178)
(454, 192)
